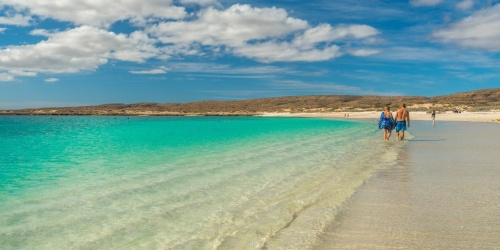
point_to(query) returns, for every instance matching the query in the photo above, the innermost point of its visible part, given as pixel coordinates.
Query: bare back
(402, 115)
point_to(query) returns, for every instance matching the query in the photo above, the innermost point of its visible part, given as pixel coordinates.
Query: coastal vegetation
(480, 100)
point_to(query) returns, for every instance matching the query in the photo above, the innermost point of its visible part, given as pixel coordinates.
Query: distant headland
(480, 100)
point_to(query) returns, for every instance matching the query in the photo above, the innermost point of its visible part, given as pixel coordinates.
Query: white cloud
(201, 2)
(480, 30)
(364, 52)
(51, 80)
(161, 70)
(41, 32)
(327, 33)
(285, 52)
(82, 48)
(6, 77)
(2, 30)
(260, 34)
(465, 4)
(138, 47)
(263, 34)
(420, 3)
(16, 20)
(99, 13)
(354, 31)
(22, 73)
(234, 26)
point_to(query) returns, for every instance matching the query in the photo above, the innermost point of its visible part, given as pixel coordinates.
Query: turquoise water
(179, 182)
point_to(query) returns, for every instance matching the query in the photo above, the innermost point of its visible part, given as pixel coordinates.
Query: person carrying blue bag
(387, 122)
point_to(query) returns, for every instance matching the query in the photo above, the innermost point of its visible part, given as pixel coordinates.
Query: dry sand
(490, 116)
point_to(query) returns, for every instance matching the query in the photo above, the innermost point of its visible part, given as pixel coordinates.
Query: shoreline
(486, 116)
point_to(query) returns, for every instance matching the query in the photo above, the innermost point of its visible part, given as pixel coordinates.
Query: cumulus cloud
(262, 34)
(420, 3)
(258, 33)
(2, 30)
(137, 48)
(99, 13)
(481, 30)
(465, 4)
(234, 26)
(82, 48)
(15, 20)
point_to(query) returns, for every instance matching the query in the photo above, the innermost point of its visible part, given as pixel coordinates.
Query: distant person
(433, 117)
(386, 122)
(402, 122)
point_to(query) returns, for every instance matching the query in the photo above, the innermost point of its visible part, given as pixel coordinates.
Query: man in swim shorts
(402, 122)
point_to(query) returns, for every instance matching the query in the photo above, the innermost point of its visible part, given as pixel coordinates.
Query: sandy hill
(486, 99)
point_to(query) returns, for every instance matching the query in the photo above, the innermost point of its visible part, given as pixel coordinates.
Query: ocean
(180, 182)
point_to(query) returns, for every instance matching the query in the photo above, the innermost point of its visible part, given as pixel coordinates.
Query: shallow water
(179, 182)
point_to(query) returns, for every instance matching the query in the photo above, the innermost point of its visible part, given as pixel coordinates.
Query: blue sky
(85, 52)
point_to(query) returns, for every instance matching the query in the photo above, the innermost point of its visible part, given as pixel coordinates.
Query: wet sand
(443, 194)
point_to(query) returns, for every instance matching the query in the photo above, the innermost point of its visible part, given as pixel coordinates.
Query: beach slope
(443, 194)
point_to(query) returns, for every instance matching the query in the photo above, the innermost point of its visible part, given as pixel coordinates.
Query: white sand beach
(443, 194)
(487, 116)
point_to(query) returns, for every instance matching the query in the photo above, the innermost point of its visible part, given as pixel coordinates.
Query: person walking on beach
(433, 117)
(386, 122)
(402, 122)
